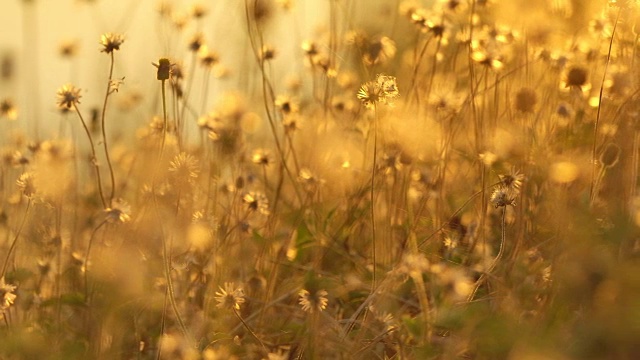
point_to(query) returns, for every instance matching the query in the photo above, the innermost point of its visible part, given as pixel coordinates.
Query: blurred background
(46, 44)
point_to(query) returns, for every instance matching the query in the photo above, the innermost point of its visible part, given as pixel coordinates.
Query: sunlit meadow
(320, 179)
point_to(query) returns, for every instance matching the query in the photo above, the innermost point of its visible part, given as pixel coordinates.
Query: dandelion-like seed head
(111, 42)
(185, 167)
(383, 90)
(26, 184)
(229, 296)
(311, 302)
(513, 180)
(68, 96)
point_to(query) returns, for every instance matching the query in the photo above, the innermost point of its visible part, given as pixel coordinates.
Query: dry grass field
(323, 179)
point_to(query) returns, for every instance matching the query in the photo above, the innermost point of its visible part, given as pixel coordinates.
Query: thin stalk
(493, 265)
(94, 159)
(372, 194)
(86, 261)
(15, 240)
(104, 133)
(595, 126)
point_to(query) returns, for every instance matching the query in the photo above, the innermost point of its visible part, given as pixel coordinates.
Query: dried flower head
(26, 184)
(316, 301)
(164, 67)
(7, 297)
(513, 180)
(111, 42)
(384, 90)
(256, 202)
(184, 167)
(119, 212)
(8, 109)
(503, 196)
(68, 96)
(68, 48)
(229, 296)
(196, 42)
(261, 157)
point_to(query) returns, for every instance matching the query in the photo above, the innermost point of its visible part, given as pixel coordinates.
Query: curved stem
(104, 133)
(94, 159)
(86, 260)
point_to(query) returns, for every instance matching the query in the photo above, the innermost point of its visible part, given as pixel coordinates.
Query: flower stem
(94, 160)
(104, 133)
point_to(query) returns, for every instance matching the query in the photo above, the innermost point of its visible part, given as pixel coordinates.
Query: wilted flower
(229, 297)
(68, 96)
(316, 301)
(111, 42)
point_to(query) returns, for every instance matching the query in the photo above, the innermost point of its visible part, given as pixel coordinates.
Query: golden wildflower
(199, 11)
(383, 90)
(119, 212)
(316, 301)
(7, 296)
(513, 180)
(286, 104)
(256, 202)
(196, 42)
(26, 183)
(503, 196)
(184, 167)
(379, 51)
(68, 96)
(261, 157)
(207, 57)
(229, 296)
(111, 42)
(267, 52)
(8, 109)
